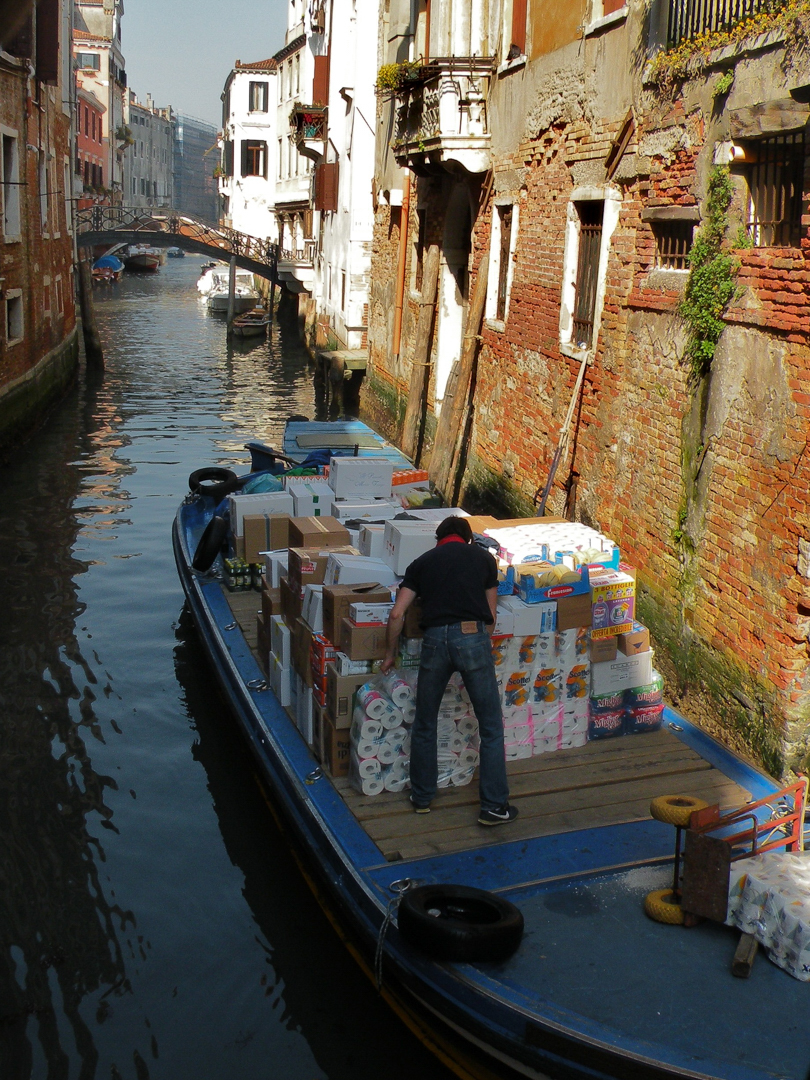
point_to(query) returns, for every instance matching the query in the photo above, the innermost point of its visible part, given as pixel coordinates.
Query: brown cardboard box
(307, 566)
(340, 694)
(291, 601)
(603, 649)
(574, 611)
(301, 645)
(411, 627)
(481, 522)
(265, 532)
(320, 532)
(263, 641)
(337, 598)
(511, 522)
(637, 641)
(362, 642)
(334, 748)
(271, 601)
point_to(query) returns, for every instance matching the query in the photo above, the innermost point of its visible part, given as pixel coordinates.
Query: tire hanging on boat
(222, 482)
(210, 544)
(665, 907)
(457, 922)
(675, 809)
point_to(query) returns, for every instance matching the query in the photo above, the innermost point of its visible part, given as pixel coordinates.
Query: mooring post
(231, 292)
(92, 342)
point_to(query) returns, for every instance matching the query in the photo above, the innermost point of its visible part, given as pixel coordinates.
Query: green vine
(393, 77)
(710, 286)
(723, 84)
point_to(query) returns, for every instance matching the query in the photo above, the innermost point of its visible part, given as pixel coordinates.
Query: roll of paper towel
(392, 717)
(468, 758)
(369, 767)
(373, 702)
(368, 730)
(395, 781)
(397, 689)
(373, 785)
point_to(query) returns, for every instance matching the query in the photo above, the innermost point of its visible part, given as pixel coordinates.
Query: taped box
(371, 477)
(317, 532)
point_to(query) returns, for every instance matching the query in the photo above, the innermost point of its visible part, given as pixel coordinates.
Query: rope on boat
(399, 888)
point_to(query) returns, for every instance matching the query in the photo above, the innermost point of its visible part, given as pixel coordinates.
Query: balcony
(441, 117)
(308, 129)
(689, 19)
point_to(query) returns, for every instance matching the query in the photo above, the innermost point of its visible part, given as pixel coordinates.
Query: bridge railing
(106, 219)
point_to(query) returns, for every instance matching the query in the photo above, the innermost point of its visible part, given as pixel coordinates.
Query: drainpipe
(403, 250)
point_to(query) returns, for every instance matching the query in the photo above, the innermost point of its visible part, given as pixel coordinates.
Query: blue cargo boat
(595, 989)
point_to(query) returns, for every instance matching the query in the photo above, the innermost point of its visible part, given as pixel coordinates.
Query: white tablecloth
(769, 897)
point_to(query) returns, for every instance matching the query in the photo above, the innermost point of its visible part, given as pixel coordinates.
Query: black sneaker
(418, 807)
(502, 816)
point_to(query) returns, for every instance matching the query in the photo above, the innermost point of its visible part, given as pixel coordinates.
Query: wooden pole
(420, 364)
(455, 401)
(401, 261)
(92, 341)
(231, 292)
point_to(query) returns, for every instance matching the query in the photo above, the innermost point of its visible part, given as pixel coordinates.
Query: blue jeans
(446, 649)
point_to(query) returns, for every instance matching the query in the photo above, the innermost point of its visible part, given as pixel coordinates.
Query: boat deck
(610, 782)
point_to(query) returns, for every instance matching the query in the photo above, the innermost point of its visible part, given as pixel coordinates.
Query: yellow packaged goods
(317, 532)
(264, 532)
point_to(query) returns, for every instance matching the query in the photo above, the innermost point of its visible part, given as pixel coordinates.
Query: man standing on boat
(457, 582)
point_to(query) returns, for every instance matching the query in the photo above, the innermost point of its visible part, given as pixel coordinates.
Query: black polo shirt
(451, 581)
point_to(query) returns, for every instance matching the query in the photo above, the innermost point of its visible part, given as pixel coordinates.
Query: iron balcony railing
(690, 18)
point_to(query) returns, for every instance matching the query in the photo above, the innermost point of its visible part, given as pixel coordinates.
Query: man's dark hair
(454, 525)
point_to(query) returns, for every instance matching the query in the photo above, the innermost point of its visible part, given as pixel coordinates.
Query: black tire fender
(210, 544)
(213, 481)
(458, 922)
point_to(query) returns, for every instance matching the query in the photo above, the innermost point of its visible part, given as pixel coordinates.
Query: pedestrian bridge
(98, 225)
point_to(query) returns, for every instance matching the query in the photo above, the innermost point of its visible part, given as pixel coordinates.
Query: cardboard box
(281, 640)
(264, 532)
(304, 708)
(340, 691)
(291, 601)
(262, 641)
(413, 617)
(362, 642)
(407, 540)
(504, 619)
(372, 541)
(321, 653)
(280, 680)
(365, 614)
(346, 569)
(307, 566)
(613, 596)
(479, 523)
(276, 564)
(529, 618)
(301, 645)
(265, 502)
(312, 610)
(621, 674)
(346, 666)
(317, 532)
(375, 509)
(271, 601)
(337, 598)
(636, 640)
(311, 498)
(574, 611)
(370, 477)
(334, 748)
(603, 649)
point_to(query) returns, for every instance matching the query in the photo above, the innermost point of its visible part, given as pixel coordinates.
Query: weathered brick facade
(702, 480)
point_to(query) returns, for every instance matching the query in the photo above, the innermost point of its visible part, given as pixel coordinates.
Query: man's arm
(405, 597)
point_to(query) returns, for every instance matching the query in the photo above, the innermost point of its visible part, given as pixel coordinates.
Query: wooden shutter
(518, 26)
(320, 83)
(590, 242)
(47, 62)
(244, 169)
(227, 158)
(326, 186)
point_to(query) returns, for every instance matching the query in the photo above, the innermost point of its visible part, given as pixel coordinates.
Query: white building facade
(248, 161)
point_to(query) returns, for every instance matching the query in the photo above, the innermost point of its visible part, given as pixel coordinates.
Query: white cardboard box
(265, 502)
(311, 498)
(530, 618)
(346, 666)
(367, 477)
(437, 514)
(281, 640)
(275, 566)
(376, 509)
(312, 611)
(370, 614)
(304, 713)
(372, 541)
(356, 569)
(406, 541)
(281, 680)
(621, 673)
(504, 619)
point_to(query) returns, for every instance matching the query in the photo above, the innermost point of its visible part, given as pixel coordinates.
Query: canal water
(153, 922)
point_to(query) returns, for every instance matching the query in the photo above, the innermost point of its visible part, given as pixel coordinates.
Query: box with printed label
(621, 674)
(370, 614)
(291, 601)
(530, 618)
(307, 566)
(636, 640)
(334, 748)
(264, 532)
(407, 540)
(370, 477)
(340, 690)
(574, 612)
(346, 569)
(275, 565)
(317, 532)
(338, 598)
(346, 666)
(376, 509)
(613, 598)
(266, 502)
(362, 642)
(311, 498)
(271, 601)
(321, 653)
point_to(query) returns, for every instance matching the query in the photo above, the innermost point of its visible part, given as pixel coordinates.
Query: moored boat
(595, 988)
(252, 323)
(107, 268)
(141, 257)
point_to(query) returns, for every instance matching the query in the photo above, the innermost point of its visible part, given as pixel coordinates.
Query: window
(280, 147)
(774, 169)
(590, 241)
(87, 122)
(254, 158)
(88, 60)
(591, 217)
(258, 97)
(66, 180)
(11, 187)
(505, 214)
(502, 261)
(419, 250)
(14, 316)
(43, 191)
(673, 242)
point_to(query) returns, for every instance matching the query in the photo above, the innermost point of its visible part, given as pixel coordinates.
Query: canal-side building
(100, 71)
(248, 151)
(148, 160)
(565, 163)
(38, 341)
(195, 160)
(90, 152)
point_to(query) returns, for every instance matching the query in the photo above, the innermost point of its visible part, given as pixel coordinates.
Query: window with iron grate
(591, 214)
(673, 242)
(774, 171)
